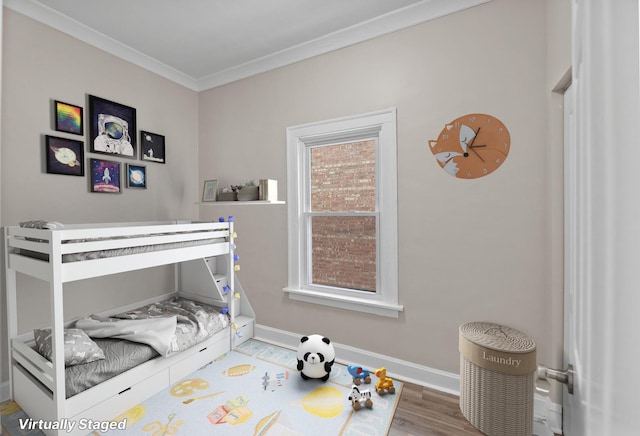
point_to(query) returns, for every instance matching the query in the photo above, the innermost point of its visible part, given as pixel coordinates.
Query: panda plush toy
(315, 357)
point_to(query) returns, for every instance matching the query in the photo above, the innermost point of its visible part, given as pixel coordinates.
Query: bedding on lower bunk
(191, 322)
(131, 338)
(120, 356)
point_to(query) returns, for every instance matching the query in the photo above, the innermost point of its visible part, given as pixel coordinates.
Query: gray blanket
(156, 332)
(156, 329)
(120, 356)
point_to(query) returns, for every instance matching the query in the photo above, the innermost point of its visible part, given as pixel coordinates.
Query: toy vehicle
(359, 374)
(384, 384)
(358, 398)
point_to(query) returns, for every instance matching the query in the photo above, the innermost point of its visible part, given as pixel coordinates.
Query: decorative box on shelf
(268, 190)
(248, 193)
(227, 196)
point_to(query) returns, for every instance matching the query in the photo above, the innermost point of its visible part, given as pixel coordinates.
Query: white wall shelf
(220, 203)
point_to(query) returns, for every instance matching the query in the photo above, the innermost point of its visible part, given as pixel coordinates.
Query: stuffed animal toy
(315, 357)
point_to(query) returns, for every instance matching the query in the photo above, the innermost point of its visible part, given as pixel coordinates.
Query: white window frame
(381, 126)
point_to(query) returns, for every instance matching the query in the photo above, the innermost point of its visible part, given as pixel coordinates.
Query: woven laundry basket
(497, 370)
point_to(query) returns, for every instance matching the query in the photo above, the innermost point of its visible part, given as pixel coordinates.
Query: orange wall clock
(472, 146)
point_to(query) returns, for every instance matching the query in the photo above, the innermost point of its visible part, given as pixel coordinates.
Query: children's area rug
(253, 390)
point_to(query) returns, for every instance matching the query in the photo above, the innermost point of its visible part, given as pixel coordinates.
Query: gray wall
(40, 65)
(468, 249)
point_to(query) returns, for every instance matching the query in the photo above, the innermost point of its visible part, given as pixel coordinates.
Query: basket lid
(497, 337)
(498, 348)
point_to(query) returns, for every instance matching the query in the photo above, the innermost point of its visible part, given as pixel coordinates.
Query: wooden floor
(426, 412)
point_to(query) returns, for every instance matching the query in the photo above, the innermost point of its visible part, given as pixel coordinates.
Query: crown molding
(399, 19)
(52, 18)
(416, 13)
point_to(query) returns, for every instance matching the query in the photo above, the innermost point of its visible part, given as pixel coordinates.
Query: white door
(602, 199)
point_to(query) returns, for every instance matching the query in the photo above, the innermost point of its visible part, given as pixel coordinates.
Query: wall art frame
(64, 156)
(152, 147)
(210, 191)
(105, 176)
(136, 176)
(68, 118)
(112, 128)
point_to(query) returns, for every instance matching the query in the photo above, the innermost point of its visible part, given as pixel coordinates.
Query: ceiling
(202, 44)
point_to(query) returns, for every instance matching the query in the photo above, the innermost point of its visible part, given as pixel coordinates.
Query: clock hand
(471, 146)
(477, 146)
(466, 137)
(473, 149)
(474, 138)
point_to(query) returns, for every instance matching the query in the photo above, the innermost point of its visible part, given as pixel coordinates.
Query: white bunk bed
(203, 254)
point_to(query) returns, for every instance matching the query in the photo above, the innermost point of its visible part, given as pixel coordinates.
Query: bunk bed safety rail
(96, 233)
(81, 246)
(91, 239)
(35, 250)
(40, 246)
(33, 362)
(124, 230)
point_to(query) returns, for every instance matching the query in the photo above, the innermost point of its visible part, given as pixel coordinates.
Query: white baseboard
(547, 415)
(410, 372)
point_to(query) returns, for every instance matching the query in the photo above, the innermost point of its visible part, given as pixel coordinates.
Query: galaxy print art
(136, 176)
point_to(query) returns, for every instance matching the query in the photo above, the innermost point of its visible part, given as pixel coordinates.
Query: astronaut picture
(152, 147)
(113, 136)
(112, 128)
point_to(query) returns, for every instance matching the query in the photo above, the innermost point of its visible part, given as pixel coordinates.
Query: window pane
(344, 252)
(343, 177)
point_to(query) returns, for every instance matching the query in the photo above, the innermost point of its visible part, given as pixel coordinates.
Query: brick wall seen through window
(344, 244)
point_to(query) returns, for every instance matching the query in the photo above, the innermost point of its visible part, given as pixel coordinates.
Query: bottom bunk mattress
(131, 338)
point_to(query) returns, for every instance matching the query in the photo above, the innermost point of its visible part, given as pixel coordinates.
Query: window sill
(346, 302)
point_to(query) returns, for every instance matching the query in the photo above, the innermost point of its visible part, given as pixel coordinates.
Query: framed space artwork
(136, 176)
(68, 118)
(64, 156)
(105, 176)
(112, 128)
(152, 147)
